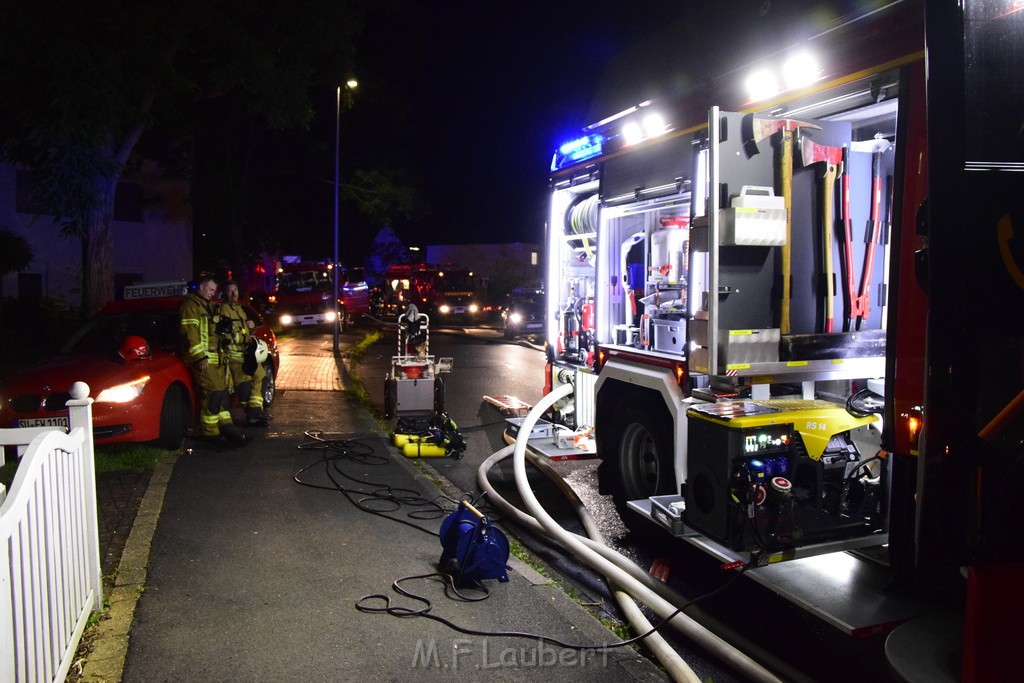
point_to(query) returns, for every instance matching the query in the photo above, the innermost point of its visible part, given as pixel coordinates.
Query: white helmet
(256, 353)
(262, 351)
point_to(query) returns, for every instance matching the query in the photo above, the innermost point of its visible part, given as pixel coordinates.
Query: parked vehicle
(305, 295)
(523, 313)
(128, 354)
(447, 293)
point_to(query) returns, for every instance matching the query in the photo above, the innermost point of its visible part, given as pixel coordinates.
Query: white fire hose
(615, 570)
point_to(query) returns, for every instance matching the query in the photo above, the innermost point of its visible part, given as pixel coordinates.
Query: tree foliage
(15, 252)
(82, 81)
(383, 196)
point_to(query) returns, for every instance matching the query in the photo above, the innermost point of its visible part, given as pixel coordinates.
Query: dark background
(467, 102)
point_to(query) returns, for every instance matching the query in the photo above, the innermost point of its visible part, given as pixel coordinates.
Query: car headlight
(515, 318)
(123, 393)
(473, 308)
(329, 316)
(286, 319)
(444, 308)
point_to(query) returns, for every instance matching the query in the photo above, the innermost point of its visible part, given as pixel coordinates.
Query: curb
(105, 663)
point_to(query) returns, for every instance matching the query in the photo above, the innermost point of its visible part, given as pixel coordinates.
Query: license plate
(534, 326)
(44, 422)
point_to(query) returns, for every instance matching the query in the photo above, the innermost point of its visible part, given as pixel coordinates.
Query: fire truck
(790, 310)
(448, 293)
(304, 294)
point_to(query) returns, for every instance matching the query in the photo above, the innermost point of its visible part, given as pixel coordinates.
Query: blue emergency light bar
(577, 150)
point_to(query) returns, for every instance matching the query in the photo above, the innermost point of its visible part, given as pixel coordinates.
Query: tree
(382, 196)
(82, 82)
(387, 249)
(15, 255)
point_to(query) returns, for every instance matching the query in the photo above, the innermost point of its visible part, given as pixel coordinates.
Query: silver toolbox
(669, 335)
(735, 347)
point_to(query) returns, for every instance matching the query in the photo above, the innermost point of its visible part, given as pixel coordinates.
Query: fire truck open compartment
(638, 242)
(731, 273)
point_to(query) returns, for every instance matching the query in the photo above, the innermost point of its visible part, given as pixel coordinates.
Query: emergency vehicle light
(577, 150)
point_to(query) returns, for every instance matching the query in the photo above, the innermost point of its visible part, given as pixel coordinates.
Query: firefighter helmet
(256, 354)
(134, 348)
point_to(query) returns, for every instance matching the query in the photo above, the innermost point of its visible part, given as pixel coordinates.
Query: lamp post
(350, 84)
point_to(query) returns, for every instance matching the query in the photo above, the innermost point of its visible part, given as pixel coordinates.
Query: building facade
(152, 237)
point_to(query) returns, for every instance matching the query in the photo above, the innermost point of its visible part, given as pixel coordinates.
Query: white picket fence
(49, 547)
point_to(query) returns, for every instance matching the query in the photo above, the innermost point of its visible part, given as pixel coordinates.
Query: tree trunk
(98, 235)
(98, 249)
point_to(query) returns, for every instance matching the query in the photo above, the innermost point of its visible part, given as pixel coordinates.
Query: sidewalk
(236, 572)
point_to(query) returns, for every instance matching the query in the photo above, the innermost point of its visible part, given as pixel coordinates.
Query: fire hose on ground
(627, 578)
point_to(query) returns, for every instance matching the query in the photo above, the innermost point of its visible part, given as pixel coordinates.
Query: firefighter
(249, 388)
(201, 350)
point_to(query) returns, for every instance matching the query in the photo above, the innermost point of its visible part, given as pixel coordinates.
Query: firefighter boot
(255, 417)
(233, 434)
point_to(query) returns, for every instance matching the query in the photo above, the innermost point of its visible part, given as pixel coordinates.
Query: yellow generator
(778, 474)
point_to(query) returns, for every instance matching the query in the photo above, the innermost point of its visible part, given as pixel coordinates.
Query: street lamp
(350, 84)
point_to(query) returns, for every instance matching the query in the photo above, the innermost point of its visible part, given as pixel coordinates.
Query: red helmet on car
(134, 348)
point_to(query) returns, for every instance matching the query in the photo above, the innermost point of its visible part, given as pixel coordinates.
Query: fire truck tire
(269, 385)
(342, 319)
(174, 418)
(389, 398)
(641, 461)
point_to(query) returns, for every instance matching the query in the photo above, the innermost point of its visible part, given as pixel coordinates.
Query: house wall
(154, 244)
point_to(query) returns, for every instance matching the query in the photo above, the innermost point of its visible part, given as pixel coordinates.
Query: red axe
(813, 153)
(752, 131)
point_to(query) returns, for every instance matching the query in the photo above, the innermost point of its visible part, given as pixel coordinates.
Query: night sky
(471, 99)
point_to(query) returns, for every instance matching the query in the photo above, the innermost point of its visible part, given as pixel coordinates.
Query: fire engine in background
(305, 294)
(447, 293)
(736, 287)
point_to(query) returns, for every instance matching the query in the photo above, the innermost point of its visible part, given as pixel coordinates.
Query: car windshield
(525, 301)
(104, 333)
(305, 281)
(457, 282)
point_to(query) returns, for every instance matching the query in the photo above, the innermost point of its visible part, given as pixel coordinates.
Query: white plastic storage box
(757, 218)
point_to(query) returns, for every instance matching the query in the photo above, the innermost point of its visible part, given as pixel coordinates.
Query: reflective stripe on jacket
(199, 340)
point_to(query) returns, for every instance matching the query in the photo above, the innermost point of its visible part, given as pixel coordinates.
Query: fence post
(80, 416)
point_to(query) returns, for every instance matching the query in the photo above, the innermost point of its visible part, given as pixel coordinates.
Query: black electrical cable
(855, 406)
(403, 612)
(393, 499)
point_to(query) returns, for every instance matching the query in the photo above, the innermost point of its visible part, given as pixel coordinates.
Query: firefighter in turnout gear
(201, 350)
(249, 388)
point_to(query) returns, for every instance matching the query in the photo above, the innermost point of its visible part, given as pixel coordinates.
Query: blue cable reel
(473, 548)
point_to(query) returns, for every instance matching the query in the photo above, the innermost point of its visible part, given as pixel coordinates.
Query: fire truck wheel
(174, 417)
(641, 444)
(269, 385)
(342, 319)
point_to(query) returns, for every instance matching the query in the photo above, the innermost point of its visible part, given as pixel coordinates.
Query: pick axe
(832, 157)
(753, 130)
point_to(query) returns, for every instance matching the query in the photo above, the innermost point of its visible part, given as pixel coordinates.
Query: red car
(137, 397)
